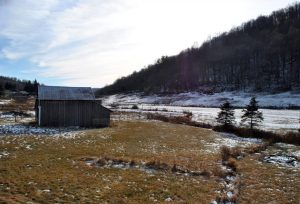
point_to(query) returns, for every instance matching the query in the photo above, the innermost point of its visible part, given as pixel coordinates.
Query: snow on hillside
(238, 99)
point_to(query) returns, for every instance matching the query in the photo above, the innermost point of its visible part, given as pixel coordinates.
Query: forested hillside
(260, 55)
(14, 84)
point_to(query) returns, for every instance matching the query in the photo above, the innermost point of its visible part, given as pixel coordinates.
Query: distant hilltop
(260, 55)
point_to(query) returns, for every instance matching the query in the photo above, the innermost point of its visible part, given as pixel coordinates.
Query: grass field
(51, 168)
(266, 183)
(44, 169)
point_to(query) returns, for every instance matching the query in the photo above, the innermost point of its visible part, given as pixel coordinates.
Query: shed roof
(65, 93)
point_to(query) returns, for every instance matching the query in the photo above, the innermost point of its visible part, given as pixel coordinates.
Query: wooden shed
(70, 106)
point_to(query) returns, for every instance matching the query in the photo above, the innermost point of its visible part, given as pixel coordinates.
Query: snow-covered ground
(277, 120)
(8, 117)
(274, 119)
(4, 101)
(21, 130)
(237, 98)
(229, 140)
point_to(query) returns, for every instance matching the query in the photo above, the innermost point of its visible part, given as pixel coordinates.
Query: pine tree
(1, 90)
(226, 115)
(251, 114)
(35, 86)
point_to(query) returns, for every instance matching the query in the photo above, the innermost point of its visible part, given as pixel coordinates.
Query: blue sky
(94, 42)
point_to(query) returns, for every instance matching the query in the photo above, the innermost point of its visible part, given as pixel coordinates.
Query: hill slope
(260, 55)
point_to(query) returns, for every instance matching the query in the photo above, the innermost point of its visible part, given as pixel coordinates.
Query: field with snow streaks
(274, 120)
(141, 161)
(134, 162)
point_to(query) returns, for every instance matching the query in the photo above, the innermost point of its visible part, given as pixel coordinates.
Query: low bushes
(290, 137)
(186, 120)
(272, 137)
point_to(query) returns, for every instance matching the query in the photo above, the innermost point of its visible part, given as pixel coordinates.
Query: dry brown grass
(56, 164)
(225, 153)
(232, 163)
(50, 171)
(267, 183)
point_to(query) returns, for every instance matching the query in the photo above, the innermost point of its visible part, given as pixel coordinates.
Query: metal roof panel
(65, 93)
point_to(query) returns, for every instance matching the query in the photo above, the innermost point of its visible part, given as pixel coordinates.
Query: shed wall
(63, 113)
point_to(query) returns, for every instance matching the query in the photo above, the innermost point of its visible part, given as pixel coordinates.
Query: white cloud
(92, 42)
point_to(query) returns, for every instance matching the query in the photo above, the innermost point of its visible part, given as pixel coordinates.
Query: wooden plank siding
(63, 113)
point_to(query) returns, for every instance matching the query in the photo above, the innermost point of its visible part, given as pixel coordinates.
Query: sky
(94, 42)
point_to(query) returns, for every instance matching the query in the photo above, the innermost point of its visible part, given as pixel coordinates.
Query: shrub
(217, 171)
(272, 137)
(134, 107)
(188, 114)
(225, 153)
(177, 120)
(232, 163)
(157, 165)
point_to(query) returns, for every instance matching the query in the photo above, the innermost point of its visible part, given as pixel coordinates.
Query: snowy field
(274, 119)
(237, 99)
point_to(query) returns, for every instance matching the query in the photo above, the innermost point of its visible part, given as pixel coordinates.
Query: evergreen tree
(28, 87)
(251, 114)
(1, 90)
(226, 115)
(35, 86)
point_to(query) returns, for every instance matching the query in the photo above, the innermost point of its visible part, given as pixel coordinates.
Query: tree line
(260, 55)
(14, 84)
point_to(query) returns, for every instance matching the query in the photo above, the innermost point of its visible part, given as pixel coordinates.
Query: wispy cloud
(92, 42)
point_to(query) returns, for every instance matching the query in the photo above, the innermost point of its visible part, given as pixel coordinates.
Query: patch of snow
(241, 139)
(4, 102)
(32, 113)
(284, 145)
(229, 140)
(28, 147)
(283, 160)
(17, 129)
(105, 137)
(230, 178)
(168, 199)
(229, 194)
(296, 153)
(4, 154)
(6, 116)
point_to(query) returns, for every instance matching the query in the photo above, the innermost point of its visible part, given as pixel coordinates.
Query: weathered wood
(61, 113)
(70, 106)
